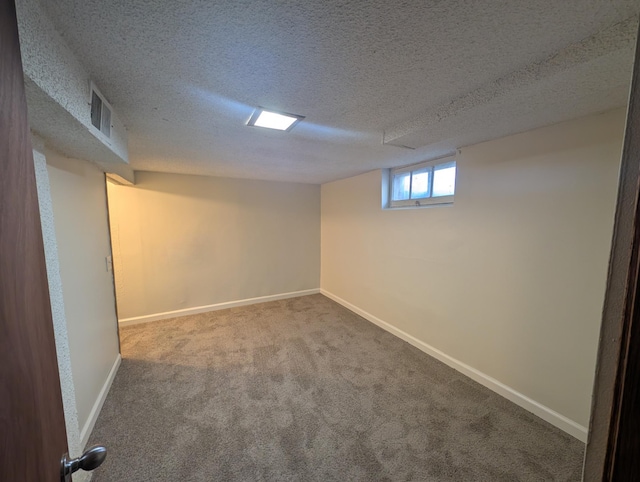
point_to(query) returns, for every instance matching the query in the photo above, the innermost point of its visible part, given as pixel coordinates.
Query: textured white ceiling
(185, 76)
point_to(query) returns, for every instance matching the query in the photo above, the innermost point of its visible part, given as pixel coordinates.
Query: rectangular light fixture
(274, 120)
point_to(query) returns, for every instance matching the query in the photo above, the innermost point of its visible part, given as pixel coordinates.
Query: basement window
(424, 184)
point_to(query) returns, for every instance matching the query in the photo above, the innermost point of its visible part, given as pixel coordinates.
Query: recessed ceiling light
(274, 120)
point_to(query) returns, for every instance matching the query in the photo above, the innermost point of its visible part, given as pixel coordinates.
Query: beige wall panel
(184, 242)
(510, 279)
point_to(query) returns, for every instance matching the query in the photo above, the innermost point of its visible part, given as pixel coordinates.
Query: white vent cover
(100, 112)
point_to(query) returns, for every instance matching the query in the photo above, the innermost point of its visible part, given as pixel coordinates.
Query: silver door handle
(88, 461)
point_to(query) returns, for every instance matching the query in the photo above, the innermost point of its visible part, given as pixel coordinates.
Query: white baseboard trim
(545, 413)
(95, 411)
(218, 306)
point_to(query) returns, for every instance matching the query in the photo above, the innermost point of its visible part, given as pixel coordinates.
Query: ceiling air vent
(100, 112)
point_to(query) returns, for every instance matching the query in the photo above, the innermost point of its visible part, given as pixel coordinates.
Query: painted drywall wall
(510, 279)
(65, 372)
(183, 241)
(79, 202)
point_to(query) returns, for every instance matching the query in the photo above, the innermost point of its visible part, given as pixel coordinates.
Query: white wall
(57, 304)
(509, 280)
(184, 242)
(79, 202)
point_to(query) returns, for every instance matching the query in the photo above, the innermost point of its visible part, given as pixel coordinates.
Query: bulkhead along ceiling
(381, 83)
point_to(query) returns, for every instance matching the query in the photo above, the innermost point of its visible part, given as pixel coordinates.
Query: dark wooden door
(32, 429)
(623, 448)
(613, 449)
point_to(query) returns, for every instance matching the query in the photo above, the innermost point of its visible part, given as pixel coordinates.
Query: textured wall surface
(510, 279)
(188, 241)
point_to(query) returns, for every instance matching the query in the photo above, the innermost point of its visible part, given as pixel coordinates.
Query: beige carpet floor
(305, 390)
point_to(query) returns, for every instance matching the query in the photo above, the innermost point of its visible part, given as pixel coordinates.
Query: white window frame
(426, 201)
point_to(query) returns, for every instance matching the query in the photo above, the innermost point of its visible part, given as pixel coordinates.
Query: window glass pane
(444, 180)
(401, 186)
(420, 184)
